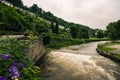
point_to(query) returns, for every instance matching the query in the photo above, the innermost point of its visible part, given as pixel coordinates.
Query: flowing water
(81, 62)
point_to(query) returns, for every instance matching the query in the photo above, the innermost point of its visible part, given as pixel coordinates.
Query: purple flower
(2, 78)
(14, 63)
(5, 56)
(14, 72)
(22, 66)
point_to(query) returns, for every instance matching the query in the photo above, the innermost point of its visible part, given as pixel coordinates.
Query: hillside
(42, 13)
(19, 19)
(16, 21)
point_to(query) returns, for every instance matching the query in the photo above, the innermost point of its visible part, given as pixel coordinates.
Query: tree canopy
(113, 30)
(100, 34)
(79, 31)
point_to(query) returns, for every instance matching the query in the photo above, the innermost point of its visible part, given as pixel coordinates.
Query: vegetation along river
(81, 62)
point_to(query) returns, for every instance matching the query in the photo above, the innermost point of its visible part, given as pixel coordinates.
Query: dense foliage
(14, 21)
(79, 32)
(100, 34)
(113, 30)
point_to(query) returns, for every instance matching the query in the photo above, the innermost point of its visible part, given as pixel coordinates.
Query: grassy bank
(15, 62)
(56, 43)
(107, 51)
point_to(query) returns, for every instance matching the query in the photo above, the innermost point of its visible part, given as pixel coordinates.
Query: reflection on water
(80, 62)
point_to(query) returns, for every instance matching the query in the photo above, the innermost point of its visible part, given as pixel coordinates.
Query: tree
(100, 34)
(52, 27)
(35, 9)
(92, 33)
(113, 30)
(49, 16)
(56, 28)
(85, 33)
(117, 27)
(74, 32)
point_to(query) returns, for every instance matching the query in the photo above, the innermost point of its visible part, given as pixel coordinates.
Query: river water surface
(80, 62)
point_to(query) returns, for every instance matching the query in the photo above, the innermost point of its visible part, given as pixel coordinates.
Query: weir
(81, 62)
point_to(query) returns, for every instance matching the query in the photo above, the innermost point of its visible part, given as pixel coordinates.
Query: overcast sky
(93, 13)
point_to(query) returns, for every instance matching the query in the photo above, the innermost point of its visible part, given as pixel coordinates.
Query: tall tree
(85, 33)
(56, 28)
(113, 30)
(74, 32)
(52, 26)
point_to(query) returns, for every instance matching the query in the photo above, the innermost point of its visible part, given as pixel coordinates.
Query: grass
(105, 47)
(106, 51)
(56, 43)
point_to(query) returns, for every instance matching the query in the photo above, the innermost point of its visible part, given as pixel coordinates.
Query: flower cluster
(2, 78)
(13, 70)
(6, 56)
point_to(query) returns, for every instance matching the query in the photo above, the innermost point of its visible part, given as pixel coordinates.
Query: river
(80, 62)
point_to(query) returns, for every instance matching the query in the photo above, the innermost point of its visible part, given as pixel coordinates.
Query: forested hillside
(15, 21)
